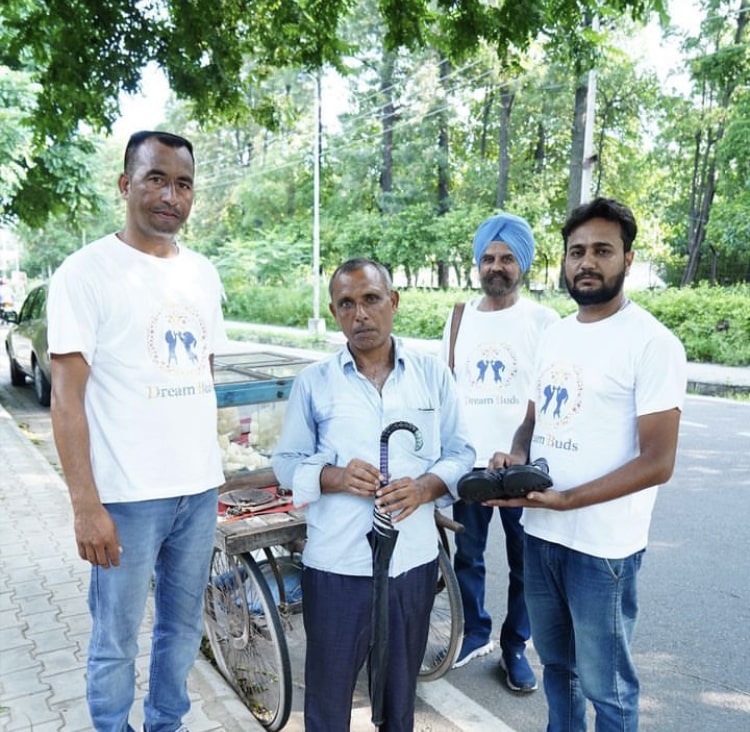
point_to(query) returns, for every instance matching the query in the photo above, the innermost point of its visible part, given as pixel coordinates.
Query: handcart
(252, 599)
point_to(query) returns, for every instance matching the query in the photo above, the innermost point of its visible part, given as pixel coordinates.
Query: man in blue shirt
(328, 454)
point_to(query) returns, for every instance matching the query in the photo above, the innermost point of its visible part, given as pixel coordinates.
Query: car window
(39, 303)
(33, 308)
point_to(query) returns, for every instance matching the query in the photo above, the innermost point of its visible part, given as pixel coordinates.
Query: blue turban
(513, 231)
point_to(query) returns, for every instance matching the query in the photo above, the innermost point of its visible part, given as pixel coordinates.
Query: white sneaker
(465, 656)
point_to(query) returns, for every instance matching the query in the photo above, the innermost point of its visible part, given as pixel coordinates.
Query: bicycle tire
(446, 622)
(246, 637)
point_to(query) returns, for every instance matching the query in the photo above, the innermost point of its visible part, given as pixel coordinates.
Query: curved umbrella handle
(385, 436)
(383, 520)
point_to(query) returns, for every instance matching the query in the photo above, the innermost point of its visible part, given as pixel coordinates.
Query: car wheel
(17, 376)
(42, 386)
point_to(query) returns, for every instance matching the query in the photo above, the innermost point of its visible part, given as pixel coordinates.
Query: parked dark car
(26, 344)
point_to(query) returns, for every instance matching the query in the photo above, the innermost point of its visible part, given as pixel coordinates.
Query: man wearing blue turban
(492, 358)
(513, 231)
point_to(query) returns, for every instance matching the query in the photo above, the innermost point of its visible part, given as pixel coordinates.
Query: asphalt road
(692, 645)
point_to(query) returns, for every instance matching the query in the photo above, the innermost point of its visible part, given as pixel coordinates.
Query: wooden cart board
(258, 532)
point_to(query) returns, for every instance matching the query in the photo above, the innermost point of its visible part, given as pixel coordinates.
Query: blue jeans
(583, 612)
(171, 540)
(470, 570)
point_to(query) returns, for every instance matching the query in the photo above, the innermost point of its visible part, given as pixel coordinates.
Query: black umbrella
(383, 541)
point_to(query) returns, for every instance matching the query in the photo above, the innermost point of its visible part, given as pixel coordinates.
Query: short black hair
(165, 138)
(603, 208)
(357, 263)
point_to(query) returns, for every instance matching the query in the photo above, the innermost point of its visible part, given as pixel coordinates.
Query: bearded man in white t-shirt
(608, 392)
(134, 321)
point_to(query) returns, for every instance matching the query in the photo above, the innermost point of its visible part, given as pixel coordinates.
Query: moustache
(173, 210)
(498, 276)
(588, 276)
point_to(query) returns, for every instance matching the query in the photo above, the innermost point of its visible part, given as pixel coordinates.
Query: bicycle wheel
(244, 629)
(446, 622)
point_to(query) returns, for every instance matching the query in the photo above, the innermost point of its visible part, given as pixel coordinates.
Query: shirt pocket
(423, 448)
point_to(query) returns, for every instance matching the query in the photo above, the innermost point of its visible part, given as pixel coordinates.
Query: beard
(498, 284)
(609, 290)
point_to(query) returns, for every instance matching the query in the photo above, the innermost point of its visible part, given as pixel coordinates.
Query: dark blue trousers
(470, 571)
(337, 617)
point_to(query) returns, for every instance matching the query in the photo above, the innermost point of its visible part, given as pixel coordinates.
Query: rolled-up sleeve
(296, 461)
(457, 456)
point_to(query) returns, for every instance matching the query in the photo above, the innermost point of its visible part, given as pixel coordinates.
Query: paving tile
(44, 621)
(13, 636)
(60, 660)
(19, 658)
(8, 601)
(23, 683)
(10, 618)
(68, 685)
(76, 716)
(31, 605)
(51, 640)
(72, 606)
(29, 712)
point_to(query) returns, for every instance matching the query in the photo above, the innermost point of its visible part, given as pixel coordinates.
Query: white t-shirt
(146, 326)
(593, 381)
(493, 365)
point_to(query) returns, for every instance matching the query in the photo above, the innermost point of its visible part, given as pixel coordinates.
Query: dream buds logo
(558, 391)
(177, 339)
(491, 368)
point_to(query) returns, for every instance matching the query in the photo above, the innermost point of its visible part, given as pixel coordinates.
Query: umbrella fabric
(382, 538)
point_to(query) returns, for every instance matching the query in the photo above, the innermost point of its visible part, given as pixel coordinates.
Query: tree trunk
(489, 100)
(507, 98)
(539, 150)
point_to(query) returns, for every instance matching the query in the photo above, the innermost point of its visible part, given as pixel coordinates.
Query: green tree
(721, 70)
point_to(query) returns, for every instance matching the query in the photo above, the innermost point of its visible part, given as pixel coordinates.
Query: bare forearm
(71, 434)
(431, 487)
(522, 438)
(630, 478)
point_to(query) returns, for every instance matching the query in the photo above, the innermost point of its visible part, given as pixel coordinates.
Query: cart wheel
(446, 622)
(244, 629)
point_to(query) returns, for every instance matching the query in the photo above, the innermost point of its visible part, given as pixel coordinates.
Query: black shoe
(518, 480)
(480, 485)
(515, 481)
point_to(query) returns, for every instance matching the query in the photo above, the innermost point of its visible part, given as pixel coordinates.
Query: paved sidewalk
(44, 621)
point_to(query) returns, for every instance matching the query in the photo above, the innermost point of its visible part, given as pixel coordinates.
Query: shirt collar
(346, 360)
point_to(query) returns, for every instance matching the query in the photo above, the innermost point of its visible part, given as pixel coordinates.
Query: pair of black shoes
(515, 481)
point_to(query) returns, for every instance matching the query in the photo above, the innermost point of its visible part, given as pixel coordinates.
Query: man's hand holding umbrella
(401, 497)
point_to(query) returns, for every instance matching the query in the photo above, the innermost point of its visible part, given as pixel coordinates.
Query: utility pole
(316, 324)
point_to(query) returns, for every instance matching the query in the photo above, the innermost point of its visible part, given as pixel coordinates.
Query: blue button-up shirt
(335, 414)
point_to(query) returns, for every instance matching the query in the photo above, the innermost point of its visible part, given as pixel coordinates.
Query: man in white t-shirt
(608, 391)
(134, 321)
(493, 357)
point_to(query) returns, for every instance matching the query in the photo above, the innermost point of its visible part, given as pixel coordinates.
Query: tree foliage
(81, 54)
(453, 110)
